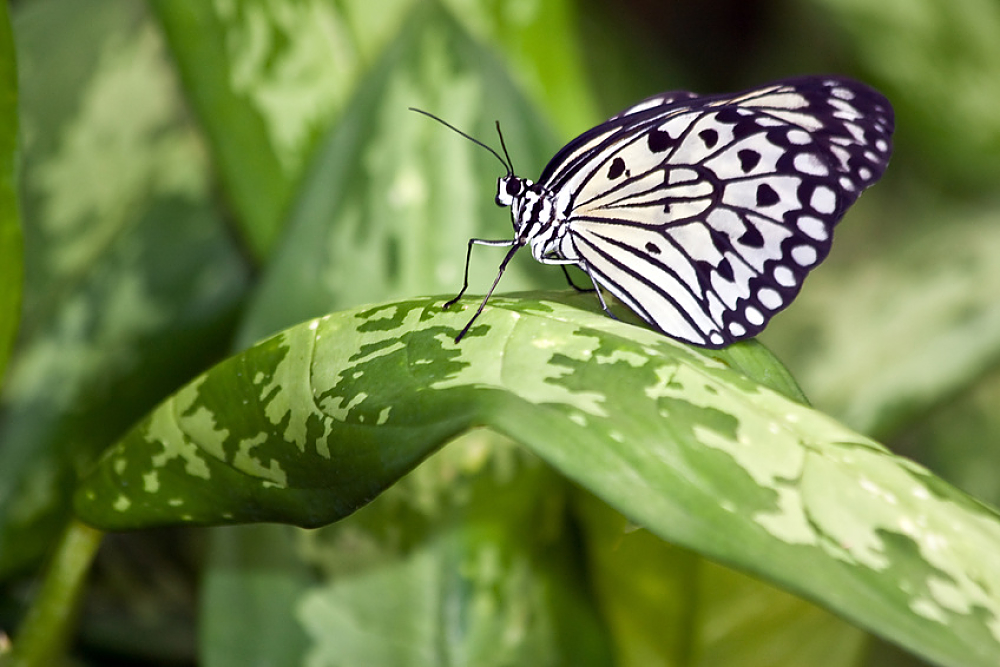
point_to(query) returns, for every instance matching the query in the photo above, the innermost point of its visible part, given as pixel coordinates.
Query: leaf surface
(308, 426)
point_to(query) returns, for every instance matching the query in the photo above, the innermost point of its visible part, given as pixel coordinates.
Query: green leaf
(266, 79)
(960, 440)
(309, 425)
(133, 281)
(667, 606)
(11, 250)
(385, 208)
(539, 42)
(392, 197)
(473, 546)
(247, 610)
(940, 65)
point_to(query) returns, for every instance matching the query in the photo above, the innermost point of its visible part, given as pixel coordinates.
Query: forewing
(705, 214)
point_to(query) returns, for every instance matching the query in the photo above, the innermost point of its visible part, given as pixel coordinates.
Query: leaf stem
(44, 633)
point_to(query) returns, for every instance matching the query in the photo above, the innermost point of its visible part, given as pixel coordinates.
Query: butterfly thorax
(533, 213)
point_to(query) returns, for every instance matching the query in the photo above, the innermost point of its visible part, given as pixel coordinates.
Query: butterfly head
(532, 212)
(510, 188)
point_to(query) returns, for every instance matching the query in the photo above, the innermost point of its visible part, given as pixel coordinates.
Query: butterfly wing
(704, 214)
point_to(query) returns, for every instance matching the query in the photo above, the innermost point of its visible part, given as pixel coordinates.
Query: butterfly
(701, 213)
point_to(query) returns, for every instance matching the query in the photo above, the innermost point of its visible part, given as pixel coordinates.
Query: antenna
(506, 163)
(503, 145)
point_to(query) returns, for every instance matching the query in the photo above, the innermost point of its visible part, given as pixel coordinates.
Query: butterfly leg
(600, 295)
(586, 268)
(514, 247)
(572, 284)
(468, 257)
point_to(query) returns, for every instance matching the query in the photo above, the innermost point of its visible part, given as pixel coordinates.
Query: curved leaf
(311, 424)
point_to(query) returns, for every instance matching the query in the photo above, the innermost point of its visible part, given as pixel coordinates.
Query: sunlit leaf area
(236, 427)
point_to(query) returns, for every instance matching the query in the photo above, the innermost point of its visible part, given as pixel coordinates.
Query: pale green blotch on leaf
(246, 462)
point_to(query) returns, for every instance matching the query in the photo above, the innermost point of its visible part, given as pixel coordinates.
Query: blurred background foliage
(196, 175)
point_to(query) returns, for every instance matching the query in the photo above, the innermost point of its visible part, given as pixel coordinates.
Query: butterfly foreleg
(514, 247)
(468, 257)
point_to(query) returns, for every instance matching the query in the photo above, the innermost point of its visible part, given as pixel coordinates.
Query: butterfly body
(704, 214)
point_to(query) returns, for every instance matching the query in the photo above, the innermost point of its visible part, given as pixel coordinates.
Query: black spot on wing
(728, 115)
(748, 159)
(745, 127)
(616, 169)
(704, 273)
(766, 195)
(660, 141)
(719, 240)
(752, 237)
(652, 248)
(725, 269)
(709, 137)
(743, 124)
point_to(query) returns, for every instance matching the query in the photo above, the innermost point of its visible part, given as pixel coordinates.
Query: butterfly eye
(508, 187)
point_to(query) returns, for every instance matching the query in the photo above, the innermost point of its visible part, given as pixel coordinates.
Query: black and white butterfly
(702, 213)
